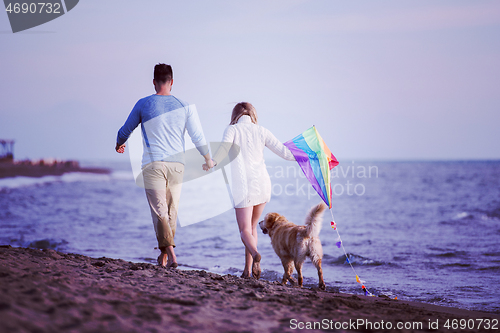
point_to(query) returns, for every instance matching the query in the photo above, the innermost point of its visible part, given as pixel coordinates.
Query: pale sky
(398, 80)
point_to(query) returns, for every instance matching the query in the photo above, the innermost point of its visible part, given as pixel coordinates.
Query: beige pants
(163, 182)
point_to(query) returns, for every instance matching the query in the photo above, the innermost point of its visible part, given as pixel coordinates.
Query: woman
(244, 141)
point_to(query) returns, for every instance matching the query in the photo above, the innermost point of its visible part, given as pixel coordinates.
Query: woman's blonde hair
(241, 109)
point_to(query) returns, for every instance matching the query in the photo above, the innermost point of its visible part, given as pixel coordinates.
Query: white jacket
(244, 142)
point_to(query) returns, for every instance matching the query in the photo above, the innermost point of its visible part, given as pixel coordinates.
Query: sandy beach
(49, 291)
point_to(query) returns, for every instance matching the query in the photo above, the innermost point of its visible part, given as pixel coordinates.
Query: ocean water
(421, 231)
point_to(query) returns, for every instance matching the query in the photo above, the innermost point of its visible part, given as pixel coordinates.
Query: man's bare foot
(256, 266)
(162, 260)
(172, 259)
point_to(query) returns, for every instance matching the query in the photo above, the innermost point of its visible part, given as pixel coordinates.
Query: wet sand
(49, 291)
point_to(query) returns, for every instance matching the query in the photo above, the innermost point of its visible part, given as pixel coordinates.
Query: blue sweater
(164, 121)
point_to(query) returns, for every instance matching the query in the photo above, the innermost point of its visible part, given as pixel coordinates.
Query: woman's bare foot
(256, 266)
(245, 275)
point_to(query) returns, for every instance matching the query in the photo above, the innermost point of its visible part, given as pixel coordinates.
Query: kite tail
(313, 220)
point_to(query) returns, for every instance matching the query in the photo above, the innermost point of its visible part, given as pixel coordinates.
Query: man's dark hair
(163, 73)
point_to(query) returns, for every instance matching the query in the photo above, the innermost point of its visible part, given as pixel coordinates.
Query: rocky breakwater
(44, 167)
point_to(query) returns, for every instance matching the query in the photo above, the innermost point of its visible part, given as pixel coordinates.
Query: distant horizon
(343, 161)
(124, 158)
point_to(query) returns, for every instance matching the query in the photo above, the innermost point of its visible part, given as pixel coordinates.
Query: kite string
(347, 257)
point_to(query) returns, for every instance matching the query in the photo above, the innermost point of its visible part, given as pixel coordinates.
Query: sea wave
(354, 259)
(42, 244)
(449, 254)
(48, 244)
(463, 216)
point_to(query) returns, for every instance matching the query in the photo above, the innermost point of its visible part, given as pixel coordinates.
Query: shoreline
(49, 291)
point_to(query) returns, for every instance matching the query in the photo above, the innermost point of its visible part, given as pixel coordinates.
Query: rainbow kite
(315, 160)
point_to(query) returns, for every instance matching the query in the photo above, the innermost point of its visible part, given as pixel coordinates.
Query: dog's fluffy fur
(293, 243)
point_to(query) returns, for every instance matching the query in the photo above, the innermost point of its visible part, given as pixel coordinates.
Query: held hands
(120, 148)
(209, 164)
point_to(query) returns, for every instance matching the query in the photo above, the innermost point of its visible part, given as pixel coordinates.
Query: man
(164, 120)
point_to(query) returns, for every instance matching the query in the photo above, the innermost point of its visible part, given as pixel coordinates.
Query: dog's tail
(313, 220)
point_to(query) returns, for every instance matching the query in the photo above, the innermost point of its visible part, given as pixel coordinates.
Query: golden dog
(293, 243)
